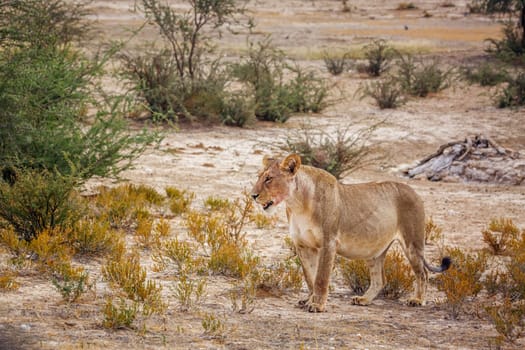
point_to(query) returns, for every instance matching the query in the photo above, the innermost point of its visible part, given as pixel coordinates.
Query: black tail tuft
(446, 262)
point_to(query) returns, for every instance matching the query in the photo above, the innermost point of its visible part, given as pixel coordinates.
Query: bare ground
(223, 161)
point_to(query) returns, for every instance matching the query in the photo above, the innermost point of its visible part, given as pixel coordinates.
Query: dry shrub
(71, 282)
(179, 200)
(177, 253)
(10, 241)
(119, 316)
(244, 293)
(121, 204)
(387, 92)
(399, 277)
(127, 278)
(216, 203)
(516, 273)
(281, 277)
(356, 274)
(92, 236)
(144, 234)
(500, 235)
(220, 234)
(463, 280)
(49, 250)
(213, 326)
(188, 290)
(50, 253)
(231, 260)
(508, 319)
(8, 280)
(433, 233)
(262, 220)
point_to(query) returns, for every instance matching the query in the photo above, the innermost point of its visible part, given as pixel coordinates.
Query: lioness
(356, 221)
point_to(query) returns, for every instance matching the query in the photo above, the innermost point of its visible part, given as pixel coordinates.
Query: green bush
(379, 56)
(180, 81)
(511, 48)
(237, 110)
(485, 74)
(419, 78)
(387, 93)
(335, 64)
(43, 23)
(46, 93)
(513, 94)
(264, 71)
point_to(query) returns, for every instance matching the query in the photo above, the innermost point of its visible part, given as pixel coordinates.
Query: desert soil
(223, 161)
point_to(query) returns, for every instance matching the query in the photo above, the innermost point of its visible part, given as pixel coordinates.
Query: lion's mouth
(267, 205)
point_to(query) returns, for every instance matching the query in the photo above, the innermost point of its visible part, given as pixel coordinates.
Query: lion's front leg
(317, 301)
(308, 257)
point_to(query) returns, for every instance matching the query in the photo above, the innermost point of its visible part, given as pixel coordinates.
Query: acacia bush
(49, 90)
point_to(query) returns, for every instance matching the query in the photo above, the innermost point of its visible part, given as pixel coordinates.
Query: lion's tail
(445, 264)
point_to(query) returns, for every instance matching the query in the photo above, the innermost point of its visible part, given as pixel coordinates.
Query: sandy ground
(223, 161)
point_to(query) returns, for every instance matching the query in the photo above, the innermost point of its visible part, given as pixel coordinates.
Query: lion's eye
(268, 179)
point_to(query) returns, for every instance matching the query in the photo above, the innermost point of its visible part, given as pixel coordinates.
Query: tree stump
(475, 159)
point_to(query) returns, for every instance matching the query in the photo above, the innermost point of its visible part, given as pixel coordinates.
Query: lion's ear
(267, 160)
(291, 163)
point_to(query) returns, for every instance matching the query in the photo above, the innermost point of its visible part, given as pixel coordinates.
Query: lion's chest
(304, 232)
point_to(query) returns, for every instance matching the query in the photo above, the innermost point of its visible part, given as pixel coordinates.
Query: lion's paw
(415, 302)
(314, 307)
(357, 300)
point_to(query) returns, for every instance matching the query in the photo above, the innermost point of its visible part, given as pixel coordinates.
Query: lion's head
(272, 186)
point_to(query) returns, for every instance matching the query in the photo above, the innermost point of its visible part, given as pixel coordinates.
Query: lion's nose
(254, 196)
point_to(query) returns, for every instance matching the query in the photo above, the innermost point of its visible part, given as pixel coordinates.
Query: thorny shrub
(340, 154)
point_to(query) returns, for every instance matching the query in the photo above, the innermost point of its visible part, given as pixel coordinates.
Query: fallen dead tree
(476, 159)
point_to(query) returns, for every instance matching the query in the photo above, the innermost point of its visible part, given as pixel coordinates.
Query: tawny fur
(355, 221)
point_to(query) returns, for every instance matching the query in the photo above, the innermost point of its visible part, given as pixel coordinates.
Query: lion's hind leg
(377, 281)
(416, 260)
